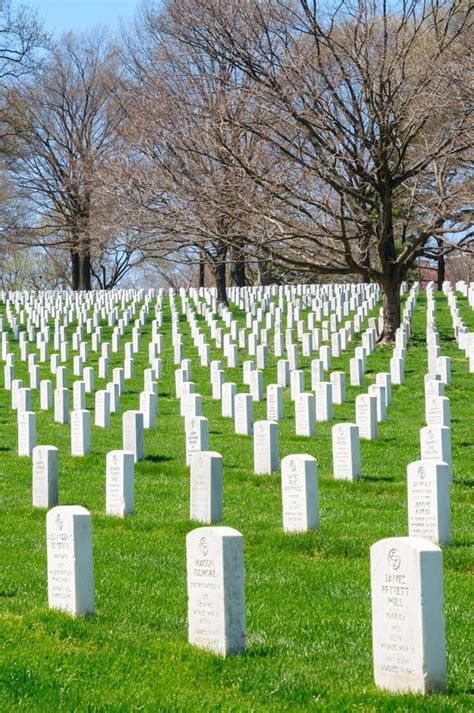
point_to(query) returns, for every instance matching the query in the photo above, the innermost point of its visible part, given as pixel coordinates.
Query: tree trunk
(238, 273)
(85, 272)
(391, 309)
(75, 270)
(202, 272)
(364, 245)
(85, 269)
(441, 268)
(263, 272)
(220, 283)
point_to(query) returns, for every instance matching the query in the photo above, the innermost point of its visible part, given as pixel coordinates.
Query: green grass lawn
(308, 595)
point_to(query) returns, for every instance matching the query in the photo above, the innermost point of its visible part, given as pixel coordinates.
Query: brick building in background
(458, 266)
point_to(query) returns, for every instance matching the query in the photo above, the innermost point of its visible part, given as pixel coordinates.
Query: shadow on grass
(8, 592)
(466, 482)
(260, 650)
(377, 478)
(157, 459)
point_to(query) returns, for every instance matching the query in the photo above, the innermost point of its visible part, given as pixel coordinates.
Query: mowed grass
(308, 595)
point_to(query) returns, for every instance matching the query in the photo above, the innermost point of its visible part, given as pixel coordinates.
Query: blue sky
(63, 15)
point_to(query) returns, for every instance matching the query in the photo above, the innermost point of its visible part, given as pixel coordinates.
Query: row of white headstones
(309, 407)
(346, 451)
(299, 482)
(108, 400)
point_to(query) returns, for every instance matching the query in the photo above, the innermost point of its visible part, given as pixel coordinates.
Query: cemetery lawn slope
(307, 595)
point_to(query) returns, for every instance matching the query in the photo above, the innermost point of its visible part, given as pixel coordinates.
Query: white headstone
(113, 389)
(129, 368)
(16, 386)
(384, 379)
(23, 402)
(407, 615)
(80, 432)
(323, 393)
(26, 432)
(292, 351)
(397, 370)
(443, 368)
(428, 501)
(262, 356)
(379, 393)
(197, 436)
(366, 416)
(206, 486)
(305, 415)
(437, 411)
(61, 377)
(61, 405)
(346, 451)
(247, 368)
(265, 447)
(433, 387)
(191, 405)
(435, 444)
(88, 376)
(229, 391)
(103, 367)
(317, 372)
(118, 376)
(299, 484)
(274, 402)
(243, 404)
(102, 408)
(356, 371)
(133, 437)
(216, 596)
(148, 407)
(338, 383)
(45, 476)
(256, 385)
(120, 489)
(296, 383)
(70, 566)
(78, 395)
(283, 372)
(325, 356)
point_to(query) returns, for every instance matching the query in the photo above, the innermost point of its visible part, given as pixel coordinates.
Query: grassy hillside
(308, 595)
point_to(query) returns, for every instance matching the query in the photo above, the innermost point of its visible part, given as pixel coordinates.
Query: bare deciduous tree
(64, 128)
(182, 105)
(364, 107)
(21, 36)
